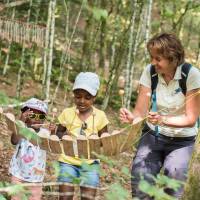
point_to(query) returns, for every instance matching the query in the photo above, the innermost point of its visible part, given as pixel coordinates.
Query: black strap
(184, 74)
(154, 78)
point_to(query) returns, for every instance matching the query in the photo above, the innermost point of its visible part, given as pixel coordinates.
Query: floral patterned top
(28, 162)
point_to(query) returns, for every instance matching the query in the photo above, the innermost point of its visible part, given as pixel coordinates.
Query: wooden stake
(121, 94)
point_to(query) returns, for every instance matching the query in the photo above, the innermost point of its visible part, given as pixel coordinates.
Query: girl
(83, 119)
(28, 162)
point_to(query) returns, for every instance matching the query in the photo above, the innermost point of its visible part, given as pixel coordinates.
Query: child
(28, 162)
(83, 119)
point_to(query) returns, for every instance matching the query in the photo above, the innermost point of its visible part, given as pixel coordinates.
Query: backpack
(182, 83)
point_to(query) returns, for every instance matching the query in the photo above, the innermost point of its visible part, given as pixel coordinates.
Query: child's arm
(103, 130)
(14, 137)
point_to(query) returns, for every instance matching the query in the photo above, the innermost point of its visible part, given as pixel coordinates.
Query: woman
(169, 133)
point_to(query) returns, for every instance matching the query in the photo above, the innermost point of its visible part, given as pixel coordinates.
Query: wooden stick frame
(83, 147)
(22, 32)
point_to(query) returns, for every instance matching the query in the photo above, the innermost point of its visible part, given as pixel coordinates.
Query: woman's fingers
(153, 117)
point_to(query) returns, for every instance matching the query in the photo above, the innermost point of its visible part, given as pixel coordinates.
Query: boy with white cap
(28, 161)
(82, 119)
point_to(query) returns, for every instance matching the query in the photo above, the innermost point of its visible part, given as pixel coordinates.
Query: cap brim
(34, 107)
(85, 87)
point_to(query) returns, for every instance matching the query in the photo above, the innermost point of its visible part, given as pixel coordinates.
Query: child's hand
(125, 115)
(24, 116)
(52, 128)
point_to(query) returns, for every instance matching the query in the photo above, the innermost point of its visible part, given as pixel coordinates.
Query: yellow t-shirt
(95, 122)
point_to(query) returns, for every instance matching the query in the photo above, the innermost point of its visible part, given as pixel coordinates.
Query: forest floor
(110, 175)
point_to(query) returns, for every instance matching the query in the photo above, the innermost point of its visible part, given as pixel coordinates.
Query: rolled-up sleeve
(193, 80)
(145, 78)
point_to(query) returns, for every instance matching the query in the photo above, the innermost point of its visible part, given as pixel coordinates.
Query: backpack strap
(154, 78)
(184, 74)
(154, 83)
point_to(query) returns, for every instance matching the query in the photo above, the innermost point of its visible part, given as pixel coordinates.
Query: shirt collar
(177, 75)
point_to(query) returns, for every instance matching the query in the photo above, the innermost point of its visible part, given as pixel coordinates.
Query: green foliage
(99, 14)
(2, 197)
(13, 190)
(117, 191)
(125, 171)
(165, 181)
(56, 168)
(168, 13)
(29, 134)
(116, 100)
(5, 100)
(157, 190)
(106, 159)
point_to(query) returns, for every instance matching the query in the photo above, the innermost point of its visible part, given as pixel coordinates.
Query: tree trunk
(112, 75)
(192, 191)
(87, 41)
(21, 71)
(198, 51)
(133, 45)
(190, 31)
(46, 49)
(148, 26)
(130, 49)
(9, 46)
(50, 55)
(102, 48)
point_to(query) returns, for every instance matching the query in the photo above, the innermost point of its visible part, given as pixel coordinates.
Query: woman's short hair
(169, 46)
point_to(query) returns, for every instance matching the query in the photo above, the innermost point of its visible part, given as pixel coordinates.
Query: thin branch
(13, 4)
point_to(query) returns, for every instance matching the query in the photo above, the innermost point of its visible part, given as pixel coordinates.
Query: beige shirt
(170, 102)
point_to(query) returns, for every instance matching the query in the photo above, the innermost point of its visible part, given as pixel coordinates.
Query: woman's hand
(126, 116)
(154, 118)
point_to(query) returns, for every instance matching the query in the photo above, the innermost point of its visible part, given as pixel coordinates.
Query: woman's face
(162, 64)
(83, 100)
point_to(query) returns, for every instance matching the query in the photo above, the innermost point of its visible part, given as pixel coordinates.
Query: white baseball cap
(88, 81)
(36, 104)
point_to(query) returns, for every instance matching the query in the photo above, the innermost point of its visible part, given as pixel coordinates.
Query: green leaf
(99, 13)
(5, 100)
(2, 197)
(168, 182)
(56, 168)
(157, 190)
(117, 192)
(27, 133)
(105, 159)
(125, 171)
